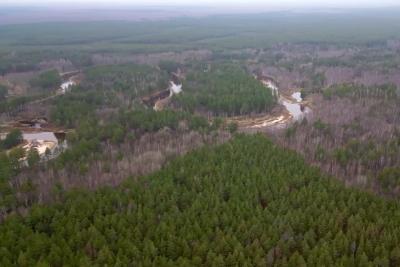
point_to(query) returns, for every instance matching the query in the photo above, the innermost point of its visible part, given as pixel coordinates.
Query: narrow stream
(66, 86)
(295, 108)
(174, 89)
(293, 104)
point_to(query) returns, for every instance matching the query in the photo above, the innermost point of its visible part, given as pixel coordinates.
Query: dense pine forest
(225, 90)
(216, 140)
(244, 203)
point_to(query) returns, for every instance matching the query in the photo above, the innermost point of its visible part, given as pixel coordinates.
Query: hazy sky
(264, 3)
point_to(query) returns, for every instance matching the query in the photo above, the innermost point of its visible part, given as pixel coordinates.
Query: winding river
(174, 89)
(295, 109)
(34, 135)
(66, 85)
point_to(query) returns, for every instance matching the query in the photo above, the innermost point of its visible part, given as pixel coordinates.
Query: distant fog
(232, 4)
(32, 11)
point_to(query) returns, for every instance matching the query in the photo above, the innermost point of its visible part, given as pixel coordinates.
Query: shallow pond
(295, 108)
(65, 86)
(45, 136)
(175, 88)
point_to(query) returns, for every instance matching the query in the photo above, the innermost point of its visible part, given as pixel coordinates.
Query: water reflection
(296, 109)
(66, 86)
(45, 136)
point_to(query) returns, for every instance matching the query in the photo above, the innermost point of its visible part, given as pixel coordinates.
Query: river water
(174, 89)
(45, 136)
(293, 104)
(295, 107)
(65, 86)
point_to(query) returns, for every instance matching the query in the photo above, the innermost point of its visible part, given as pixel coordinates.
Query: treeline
(69, 109)
(86, 142)
(101, 89)
(378, 160)
(225, 90)
(361, 151)
(10, 164)
(47, 80)
(31, 59)
(245, 203)
(100, 114)
(42, 85)
(8, 65)
(12, 139)
(14, 104)
(130, 79)
(218, 32)
(7, 193)
(386, 91)
(101, 120)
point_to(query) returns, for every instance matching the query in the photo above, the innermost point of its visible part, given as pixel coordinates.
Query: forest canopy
(225, 90)
(244, 203)
(47, 80)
